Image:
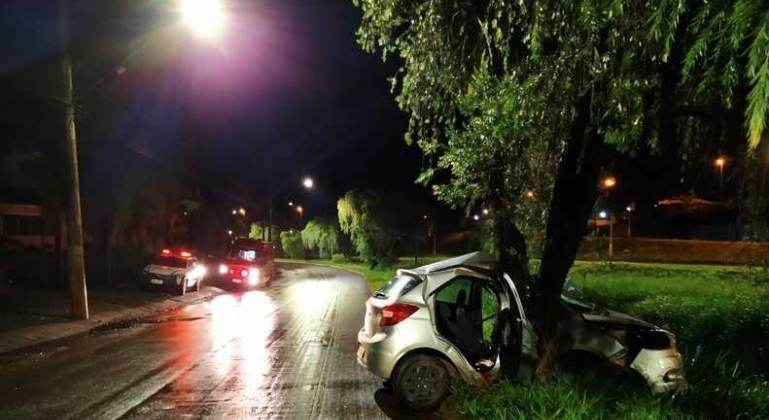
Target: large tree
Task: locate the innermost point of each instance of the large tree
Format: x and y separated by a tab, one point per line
507	97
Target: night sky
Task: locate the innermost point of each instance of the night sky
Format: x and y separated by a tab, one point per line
287	93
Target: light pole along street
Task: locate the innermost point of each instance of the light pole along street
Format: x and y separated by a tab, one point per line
204	17
608	183
308	183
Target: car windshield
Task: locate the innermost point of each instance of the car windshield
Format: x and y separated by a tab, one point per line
397	287
245	254
571	294
171	261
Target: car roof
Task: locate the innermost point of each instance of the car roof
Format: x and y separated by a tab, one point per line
438	273
482	261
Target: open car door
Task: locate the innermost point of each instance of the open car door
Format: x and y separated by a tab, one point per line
518	341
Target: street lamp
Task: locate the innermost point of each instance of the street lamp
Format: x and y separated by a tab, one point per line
608	183
720	162
206	18
300	210
308	183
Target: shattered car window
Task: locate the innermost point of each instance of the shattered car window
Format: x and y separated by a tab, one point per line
397	287
572	294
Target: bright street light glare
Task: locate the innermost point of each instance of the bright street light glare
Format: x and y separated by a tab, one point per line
308	182
602	214
205	18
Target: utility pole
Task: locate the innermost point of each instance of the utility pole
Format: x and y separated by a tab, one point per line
75	254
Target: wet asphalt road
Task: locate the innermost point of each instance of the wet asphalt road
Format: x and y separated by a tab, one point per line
287	351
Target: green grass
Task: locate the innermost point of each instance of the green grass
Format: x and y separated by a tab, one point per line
719	314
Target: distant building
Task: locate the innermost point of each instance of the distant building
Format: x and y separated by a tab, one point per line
21	220
690	217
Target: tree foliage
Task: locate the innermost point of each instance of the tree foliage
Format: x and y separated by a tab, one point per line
291	242
506	97
322	235
379	225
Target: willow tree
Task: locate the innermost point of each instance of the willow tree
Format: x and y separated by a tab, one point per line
506	97
323	235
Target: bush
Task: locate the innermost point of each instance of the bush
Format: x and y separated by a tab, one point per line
338	258
291	240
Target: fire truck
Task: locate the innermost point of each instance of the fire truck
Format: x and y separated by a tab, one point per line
249	264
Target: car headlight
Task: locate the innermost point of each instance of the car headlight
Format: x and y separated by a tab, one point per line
674	375
223	269
253	276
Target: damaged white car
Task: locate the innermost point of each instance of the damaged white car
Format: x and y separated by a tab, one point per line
459	318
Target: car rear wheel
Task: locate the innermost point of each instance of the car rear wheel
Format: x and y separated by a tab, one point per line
421	382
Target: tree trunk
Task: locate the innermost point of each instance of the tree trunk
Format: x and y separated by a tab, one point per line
574	195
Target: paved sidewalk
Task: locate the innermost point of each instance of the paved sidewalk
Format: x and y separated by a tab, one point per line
30	317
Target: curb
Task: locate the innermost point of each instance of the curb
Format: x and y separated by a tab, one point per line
25	338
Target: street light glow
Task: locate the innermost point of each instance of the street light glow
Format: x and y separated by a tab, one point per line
205	18
602	214
308	182
720	162
609	182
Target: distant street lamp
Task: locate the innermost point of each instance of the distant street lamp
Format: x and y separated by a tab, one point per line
206	18
608	183
720	162
630	209
307	183
530	194
241	211
300	210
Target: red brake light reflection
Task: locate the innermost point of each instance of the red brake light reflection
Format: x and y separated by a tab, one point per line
395	313
166	251
244	273
186	254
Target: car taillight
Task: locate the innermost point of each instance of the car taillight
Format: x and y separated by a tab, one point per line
395	313
244	273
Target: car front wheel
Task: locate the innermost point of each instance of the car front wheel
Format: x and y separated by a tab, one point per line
421	382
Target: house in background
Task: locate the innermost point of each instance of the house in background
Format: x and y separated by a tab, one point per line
21	220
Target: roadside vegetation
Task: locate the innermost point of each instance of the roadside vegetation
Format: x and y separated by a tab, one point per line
719	314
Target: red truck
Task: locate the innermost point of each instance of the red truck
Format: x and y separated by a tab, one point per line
249	263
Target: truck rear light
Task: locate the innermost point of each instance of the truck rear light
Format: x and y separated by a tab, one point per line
395	313
244	273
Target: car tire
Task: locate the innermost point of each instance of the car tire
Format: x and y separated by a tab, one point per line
421	382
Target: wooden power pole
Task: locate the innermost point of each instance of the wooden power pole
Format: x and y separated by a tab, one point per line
75	254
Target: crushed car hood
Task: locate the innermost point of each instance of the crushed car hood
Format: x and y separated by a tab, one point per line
597	315
615	318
